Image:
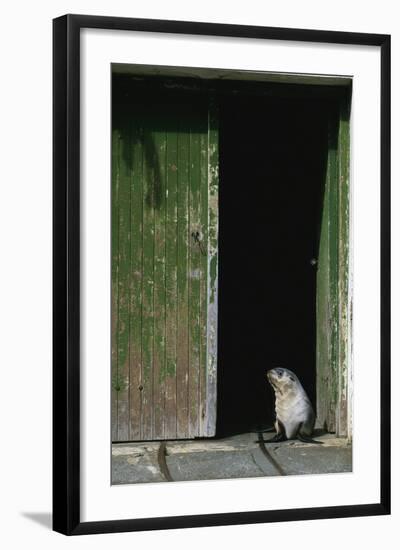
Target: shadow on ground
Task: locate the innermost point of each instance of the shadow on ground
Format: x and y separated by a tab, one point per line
45	519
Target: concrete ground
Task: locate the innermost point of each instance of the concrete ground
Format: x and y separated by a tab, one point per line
238	456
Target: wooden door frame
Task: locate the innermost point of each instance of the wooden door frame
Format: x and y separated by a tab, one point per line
334	301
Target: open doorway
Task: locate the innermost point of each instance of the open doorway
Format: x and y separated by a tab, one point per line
273	162
230	213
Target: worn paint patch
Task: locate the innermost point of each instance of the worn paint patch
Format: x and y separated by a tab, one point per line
171	368
195	273
213	277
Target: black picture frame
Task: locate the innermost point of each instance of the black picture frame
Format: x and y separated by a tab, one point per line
66	273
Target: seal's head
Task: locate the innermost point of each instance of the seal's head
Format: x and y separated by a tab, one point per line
282	380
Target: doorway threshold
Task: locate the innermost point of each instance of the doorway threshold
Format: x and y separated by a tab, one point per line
238	456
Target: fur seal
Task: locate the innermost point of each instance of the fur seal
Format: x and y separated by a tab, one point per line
295	416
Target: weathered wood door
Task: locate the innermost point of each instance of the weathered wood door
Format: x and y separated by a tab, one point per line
333	307
164	266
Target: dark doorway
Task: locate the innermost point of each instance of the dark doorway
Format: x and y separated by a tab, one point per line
273	154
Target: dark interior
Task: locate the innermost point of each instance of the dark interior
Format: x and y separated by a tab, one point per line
272	168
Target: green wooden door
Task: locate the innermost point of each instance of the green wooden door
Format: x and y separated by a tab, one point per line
164	266
333	307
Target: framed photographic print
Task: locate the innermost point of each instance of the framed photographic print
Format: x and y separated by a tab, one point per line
221	274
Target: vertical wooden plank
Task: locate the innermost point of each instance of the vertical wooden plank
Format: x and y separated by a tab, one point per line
148	283
343	427
159	160
203	313
114	283
327	291
124	203
323	305
322	309
182	365
212	270
333	238
135	355
194	278
171	259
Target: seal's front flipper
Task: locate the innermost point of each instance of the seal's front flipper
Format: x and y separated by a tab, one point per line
279	436
307	439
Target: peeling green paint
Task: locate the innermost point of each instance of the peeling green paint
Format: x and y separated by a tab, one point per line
171	368
213	278
119	383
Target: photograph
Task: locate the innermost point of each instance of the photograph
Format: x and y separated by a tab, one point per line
231	286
